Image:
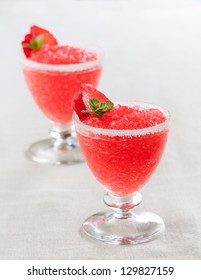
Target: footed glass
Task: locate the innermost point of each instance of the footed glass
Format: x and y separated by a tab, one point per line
53	88
123	161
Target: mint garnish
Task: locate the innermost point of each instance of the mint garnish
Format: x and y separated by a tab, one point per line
35	43
99	109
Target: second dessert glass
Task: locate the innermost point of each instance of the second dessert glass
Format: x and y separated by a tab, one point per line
123	161
53	88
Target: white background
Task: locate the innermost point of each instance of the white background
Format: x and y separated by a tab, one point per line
153	54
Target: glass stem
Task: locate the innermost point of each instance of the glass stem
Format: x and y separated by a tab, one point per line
62	135
122	205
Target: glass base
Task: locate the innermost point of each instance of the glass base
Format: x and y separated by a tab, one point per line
50	152
136	228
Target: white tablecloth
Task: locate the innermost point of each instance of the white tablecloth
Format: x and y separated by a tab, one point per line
152	53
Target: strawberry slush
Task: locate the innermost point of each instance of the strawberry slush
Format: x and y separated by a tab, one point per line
124	146
54	73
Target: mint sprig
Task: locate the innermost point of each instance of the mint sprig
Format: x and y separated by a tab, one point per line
97	108
35	43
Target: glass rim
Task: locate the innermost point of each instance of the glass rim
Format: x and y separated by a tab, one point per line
127	132
65	67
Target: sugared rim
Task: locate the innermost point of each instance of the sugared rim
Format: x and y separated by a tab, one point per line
126	132
64	67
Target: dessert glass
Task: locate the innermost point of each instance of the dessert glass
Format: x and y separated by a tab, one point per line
53	88
123	161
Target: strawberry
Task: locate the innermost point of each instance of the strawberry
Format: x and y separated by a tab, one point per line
89	92
91	101
48	37
79	107
35	39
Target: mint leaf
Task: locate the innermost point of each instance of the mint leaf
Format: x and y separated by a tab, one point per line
26	46
37	42
94	104
106	106
99	109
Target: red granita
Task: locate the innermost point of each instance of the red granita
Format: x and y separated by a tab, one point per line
124	145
